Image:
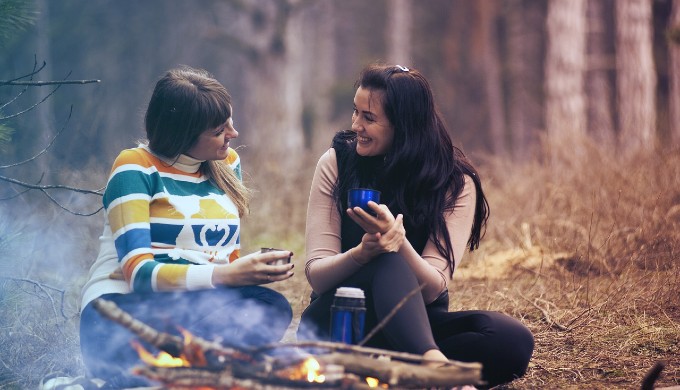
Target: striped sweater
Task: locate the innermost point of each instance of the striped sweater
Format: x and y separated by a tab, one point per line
169	224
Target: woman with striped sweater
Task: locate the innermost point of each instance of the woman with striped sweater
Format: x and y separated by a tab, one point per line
170	251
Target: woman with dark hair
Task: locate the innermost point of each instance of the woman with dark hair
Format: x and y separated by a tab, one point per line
170	251
432	209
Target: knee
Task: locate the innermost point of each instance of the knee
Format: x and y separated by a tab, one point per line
390	266
271	299
516	346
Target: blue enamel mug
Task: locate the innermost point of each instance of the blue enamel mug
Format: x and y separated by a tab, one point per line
359	197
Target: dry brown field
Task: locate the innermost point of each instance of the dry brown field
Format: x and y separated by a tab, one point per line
584	251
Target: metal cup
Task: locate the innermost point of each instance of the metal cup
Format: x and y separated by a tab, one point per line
359	197
278	261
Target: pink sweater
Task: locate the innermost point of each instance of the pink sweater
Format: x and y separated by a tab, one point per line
326	266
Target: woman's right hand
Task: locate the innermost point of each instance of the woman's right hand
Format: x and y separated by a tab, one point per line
253	269
379	222
373	244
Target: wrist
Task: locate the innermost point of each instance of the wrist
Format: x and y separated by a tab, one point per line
221	276
356	257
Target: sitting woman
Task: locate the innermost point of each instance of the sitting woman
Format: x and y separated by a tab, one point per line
170	252
432	209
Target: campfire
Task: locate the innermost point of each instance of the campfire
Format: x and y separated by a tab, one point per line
190	362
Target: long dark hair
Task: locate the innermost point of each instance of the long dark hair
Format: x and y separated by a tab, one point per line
423	173
185	103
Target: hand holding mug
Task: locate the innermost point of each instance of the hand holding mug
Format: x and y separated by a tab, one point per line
255	268
365	210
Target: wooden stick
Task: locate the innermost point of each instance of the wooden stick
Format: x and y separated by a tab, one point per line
334	346
405	375
391	314
191	378
194	351
357	361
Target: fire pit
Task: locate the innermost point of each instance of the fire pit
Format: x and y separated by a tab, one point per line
189	362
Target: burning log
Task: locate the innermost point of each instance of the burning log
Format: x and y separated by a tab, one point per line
192	378
334	365
405	375
195	349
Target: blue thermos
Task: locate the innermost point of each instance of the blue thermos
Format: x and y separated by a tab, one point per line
348	314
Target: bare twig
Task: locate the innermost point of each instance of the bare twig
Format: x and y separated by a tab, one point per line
15	195
546	315
43	287
31	107
43	83
51	187
61	206
49	145
391	314
34	72
44	188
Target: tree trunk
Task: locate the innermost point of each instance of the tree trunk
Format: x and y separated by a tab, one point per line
599	88
319	68
636	76
270	113
674	74
399	30
525	48
487	11
45	113
565	66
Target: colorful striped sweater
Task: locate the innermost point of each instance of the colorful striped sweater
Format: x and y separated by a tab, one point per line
168	222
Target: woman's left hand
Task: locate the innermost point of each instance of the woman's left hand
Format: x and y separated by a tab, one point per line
373	244
381	222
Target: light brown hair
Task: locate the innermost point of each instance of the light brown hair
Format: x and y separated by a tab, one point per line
185	103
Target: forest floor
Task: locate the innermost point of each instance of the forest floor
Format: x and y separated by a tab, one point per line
585	253
591	330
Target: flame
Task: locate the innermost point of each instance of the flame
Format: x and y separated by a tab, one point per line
162	359
374	382
191	356
309	369
312	367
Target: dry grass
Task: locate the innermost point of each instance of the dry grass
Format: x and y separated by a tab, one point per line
583	251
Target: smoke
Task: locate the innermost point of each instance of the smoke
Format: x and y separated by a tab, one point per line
43	255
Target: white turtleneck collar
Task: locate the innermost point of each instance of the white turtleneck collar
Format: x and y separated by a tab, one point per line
184	163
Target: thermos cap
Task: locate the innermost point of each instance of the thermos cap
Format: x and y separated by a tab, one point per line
349	292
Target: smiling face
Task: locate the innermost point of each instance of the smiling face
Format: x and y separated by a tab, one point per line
374	131
213	144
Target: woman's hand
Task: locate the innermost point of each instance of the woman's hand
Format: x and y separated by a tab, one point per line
253	269
373	244
380	223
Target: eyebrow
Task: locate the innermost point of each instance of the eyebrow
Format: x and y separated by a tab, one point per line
364	111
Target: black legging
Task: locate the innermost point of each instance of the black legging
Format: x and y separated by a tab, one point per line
500	343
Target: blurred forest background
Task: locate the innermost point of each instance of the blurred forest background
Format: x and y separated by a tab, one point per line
570	108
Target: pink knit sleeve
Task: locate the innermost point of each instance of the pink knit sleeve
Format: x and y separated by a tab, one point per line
459	222
326	265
